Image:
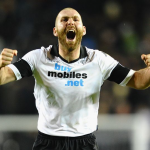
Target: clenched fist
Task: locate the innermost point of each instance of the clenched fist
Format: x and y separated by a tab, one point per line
6	56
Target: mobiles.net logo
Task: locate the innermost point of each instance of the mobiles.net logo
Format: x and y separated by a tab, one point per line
66	73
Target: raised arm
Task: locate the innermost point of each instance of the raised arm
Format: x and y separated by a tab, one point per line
6	74
141	78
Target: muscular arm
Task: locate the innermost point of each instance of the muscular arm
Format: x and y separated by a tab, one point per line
140	80
6	74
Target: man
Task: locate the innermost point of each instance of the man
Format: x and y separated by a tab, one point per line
68	79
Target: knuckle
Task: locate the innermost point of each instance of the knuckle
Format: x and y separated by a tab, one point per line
5	49
2	57
3	62
2	53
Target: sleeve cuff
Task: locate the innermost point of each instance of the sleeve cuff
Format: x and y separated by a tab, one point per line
16	71
127	78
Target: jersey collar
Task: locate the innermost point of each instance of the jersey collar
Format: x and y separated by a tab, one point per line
54	51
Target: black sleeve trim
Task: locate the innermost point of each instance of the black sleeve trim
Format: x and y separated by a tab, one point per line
118	74
23	67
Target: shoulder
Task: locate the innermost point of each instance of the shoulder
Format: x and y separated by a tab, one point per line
95	53
37	53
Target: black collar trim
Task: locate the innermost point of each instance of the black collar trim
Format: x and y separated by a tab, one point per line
54	51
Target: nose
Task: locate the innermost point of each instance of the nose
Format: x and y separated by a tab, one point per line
70	21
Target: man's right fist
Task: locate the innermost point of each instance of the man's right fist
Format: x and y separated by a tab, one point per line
6	56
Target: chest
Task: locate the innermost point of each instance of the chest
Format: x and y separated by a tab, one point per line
66	77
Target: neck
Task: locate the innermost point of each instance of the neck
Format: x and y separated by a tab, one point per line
69	55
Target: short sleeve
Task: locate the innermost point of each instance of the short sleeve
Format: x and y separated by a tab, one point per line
31	58
106	63
25	66
113	71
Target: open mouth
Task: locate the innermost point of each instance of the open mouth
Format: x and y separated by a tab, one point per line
71	34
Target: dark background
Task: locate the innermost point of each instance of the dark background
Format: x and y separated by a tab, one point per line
119	28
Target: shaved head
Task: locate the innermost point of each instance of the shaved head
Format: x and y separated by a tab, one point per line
63	11
69	29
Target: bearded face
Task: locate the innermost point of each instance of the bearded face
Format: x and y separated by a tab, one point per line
70	37
69	29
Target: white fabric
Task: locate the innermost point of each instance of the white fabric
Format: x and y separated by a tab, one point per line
69	106
16	71
128	77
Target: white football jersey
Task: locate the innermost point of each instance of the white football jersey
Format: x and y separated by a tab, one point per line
67	94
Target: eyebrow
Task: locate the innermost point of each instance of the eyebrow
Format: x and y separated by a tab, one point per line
70	17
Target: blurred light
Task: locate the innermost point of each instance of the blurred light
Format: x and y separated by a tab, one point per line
11	144
112	10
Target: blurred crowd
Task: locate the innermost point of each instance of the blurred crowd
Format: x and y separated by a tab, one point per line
119	28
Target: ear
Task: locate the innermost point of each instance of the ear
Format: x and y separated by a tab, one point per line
55	31
84	30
